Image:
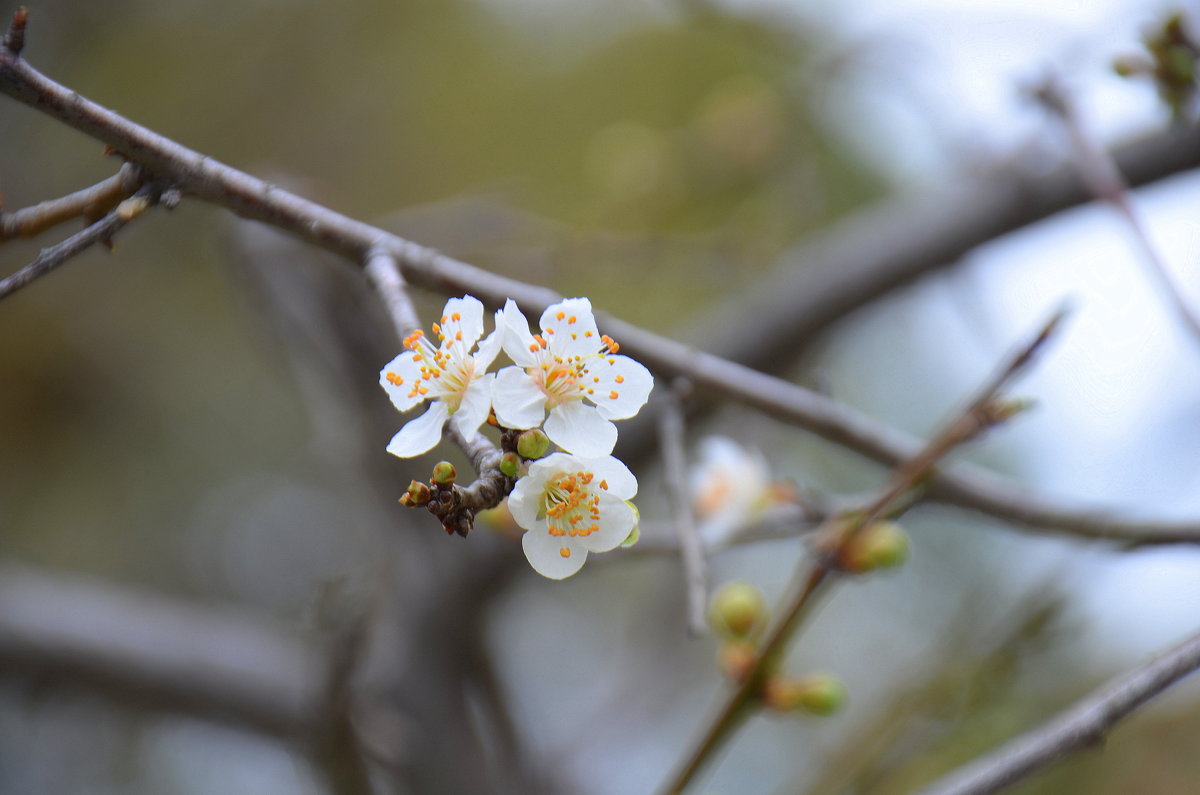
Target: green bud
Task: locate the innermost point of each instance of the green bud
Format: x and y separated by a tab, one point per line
510	465
533	443
736	659
636	532
418	493
738	610
880	545
443	473
816	694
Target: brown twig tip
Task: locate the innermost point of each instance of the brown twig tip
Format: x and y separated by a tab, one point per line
14	40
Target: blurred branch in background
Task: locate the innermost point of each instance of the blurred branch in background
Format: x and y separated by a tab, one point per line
1102	175
1082	726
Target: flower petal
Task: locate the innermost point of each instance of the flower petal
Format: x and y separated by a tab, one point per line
476	403
513	329
570	328
616	521
488	350
466	315
398	378
518	401
623	388
613	473
579	429
525	502
420	435
545	554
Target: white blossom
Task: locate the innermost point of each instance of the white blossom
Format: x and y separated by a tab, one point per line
571	371
448	375
570	506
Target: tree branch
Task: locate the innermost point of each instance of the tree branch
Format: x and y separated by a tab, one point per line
674	464
102	230
89	203
1082	726
200	176
160	652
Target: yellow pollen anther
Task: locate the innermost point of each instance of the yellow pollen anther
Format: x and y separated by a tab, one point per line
437	329
423	390
571	319
574	336
456	317
596	379
395	380
534	348
604	485
613	395
566	553
458	335
619	379
560	315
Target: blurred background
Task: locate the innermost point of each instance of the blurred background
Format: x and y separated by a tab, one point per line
192	438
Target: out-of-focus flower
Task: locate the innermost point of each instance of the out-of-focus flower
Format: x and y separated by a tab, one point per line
570	370
732	489
571	506
448	375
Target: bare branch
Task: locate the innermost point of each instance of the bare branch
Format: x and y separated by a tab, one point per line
385	276
674	477
160	652
1082	726
980	414
102	230
1102	175
207	179
89	203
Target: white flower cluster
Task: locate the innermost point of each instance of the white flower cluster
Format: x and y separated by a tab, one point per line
568	380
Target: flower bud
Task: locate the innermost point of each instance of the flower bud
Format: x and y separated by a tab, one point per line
738	610
636	532
736	659
443	473
816	694
418	493
510	464
533	443
879	545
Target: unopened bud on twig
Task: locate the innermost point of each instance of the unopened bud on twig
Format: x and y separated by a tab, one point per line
443	473
510	465
736	659
636	532
533	444
879	545
816	694
738	610
418	493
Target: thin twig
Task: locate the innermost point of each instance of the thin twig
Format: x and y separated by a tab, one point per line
50	258
671	434
385	276
980	414
1102	175
89	203
1082	726
209	180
